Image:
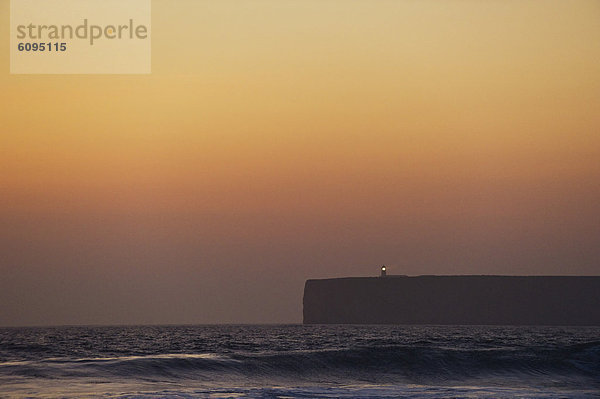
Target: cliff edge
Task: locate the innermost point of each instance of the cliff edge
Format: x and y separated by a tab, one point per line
484	300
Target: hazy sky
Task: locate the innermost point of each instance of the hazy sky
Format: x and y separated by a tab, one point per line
277	141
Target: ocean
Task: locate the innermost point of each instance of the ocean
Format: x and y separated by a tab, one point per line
300	361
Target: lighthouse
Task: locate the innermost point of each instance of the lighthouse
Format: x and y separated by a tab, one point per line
383	272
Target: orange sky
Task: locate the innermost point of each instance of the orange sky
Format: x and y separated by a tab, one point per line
282	140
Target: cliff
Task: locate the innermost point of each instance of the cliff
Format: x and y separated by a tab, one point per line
492	300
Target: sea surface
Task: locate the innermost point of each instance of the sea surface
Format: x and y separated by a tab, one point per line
296	361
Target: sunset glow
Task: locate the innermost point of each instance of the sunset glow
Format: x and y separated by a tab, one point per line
277	141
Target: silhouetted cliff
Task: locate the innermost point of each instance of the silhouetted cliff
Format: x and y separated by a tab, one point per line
500	300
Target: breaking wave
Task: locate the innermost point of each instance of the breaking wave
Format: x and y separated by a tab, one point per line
300	361
376	364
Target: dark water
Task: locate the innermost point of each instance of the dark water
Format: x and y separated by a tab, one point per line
300	361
